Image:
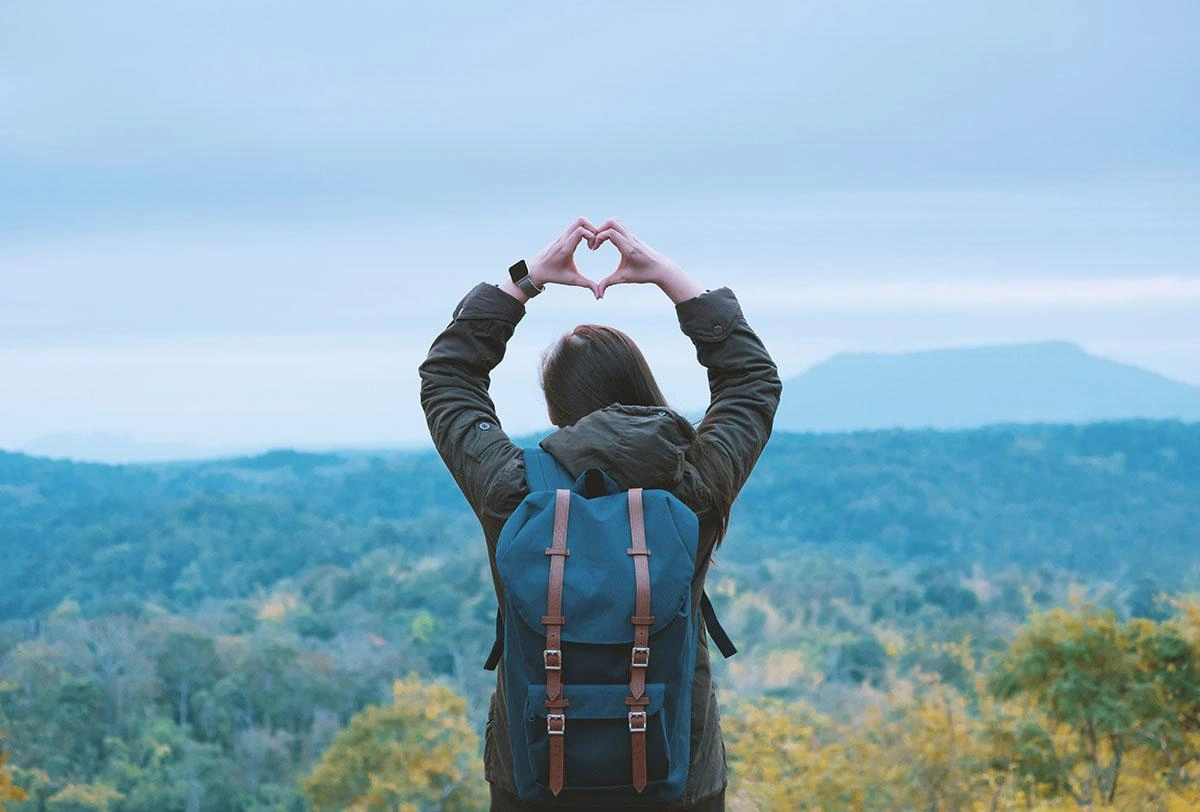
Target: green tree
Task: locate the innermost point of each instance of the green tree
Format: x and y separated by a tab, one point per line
1144	600
163	769
187	663
1110	693
416	754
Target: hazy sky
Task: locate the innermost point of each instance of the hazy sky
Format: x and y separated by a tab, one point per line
241	225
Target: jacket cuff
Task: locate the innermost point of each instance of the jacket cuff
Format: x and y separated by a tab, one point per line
709	316
487	301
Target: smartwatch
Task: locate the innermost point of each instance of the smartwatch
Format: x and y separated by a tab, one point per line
519	272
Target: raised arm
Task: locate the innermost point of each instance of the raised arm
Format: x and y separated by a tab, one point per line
744	388
456	374
744	384
455	378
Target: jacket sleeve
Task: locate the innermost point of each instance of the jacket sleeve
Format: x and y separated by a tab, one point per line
744	387
455	377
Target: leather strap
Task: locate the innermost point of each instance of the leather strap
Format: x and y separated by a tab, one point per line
639	657
556	703
542	473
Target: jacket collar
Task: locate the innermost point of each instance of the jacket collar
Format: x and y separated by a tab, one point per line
636	445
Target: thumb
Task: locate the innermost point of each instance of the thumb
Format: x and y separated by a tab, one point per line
614	278
583	282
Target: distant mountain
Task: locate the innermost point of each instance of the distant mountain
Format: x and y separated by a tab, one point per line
1045	382
1053	381
120	449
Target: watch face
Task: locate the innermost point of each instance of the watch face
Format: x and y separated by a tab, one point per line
518	269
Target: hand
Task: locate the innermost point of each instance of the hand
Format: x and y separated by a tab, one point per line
639	262
556	262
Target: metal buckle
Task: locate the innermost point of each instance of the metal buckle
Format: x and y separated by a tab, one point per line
551	720
556	654
644	651
641	718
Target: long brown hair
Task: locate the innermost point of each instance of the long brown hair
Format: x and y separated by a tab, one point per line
594	366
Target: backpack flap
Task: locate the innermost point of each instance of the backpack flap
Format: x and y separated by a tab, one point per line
544	473
599	589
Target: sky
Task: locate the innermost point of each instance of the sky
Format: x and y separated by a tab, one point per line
236	226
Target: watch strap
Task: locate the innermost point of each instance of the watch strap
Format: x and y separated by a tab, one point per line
525	283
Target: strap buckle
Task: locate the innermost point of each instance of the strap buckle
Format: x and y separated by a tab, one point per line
552	659
640	651
556	724
637	721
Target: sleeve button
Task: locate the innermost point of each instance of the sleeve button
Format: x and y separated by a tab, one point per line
662	413
484	426
718	329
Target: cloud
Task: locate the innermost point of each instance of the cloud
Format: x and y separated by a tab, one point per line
907	295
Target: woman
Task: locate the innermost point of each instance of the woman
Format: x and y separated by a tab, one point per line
610	414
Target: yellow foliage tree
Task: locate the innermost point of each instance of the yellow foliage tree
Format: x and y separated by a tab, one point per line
918	749
8	790
84	798
416	754
1081	711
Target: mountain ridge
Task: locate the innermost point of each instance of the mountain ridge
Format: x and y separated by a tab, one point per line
969	387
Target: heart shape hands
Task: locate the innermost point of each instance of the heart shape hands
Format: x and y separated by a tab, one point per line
639	263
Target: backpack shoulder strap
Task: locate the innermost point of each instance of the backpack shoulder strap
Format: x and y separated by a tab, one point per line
715	631
543	472
493	658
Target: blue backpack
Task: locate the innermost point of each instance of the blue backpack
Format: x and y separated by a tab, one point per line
598	637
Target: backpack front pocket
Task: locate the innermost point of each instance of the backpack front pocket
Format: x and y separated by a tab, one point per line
597	743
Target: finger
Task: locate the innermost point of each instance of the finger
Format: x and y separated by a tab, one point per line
569	241
618	238
582	281
580	222
614	278
580	233
616	224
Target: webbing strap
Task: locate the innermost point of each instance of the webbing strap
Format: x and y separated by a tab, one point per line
639	657
552	658
493	658
715	630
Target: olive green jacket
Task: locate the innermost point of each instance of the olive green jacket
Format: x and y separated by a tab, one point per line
648	446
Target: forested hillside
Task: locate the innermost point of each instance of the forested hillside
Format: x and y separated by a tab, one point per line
249	633
1089	498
